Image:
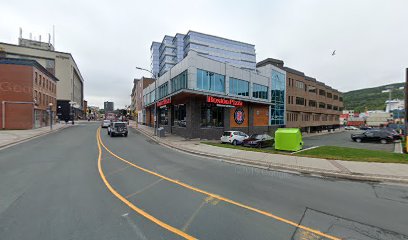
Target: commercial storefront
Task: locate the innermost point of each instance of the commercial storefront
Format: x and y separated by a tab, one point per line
193	115
201	98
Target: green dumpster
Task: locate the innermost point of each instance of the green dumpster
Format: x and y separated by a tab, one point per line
288	139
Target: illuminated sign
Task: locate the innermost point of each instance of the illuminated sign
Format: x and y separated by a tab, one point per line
164	102
223	101
239	116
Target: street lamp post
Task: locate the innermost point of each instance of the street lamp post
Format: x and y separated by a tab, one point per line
156	120
50	114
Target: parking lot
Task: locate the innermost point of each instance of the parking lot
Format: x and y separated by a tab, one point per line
342	139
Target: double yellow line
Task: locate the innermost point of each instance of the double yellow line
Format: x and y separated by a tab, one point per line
175	230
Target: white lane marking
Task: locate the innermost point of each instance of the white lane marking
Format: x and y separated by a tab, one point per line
137	230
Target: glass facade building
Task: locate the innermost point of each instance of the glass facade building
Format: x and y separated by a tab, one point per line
278	88
173	49
154	58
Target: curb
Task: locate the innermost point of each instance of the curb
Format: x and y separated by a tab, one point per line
4	146
282	167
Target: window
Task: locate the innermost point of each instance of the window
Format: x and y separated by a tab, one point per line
341	99
322	105
211	116
329	95
311	89
300	101
299	84
40	82
238	87
322	92
179	82
210	81
163	116
278	89
335	97
163	90
179	115
312	103
260	91
335	108
329	106
36	76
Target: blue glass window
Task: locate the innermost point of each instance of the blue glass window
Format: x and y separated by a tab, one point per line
238	87
163	90
179	82
278	98
260	91
210	81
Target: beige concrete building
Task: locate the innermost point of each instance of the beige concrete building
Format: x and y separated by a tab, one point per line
70	88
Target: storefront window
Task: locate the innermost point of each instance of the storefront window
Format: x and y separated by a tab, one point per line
238	87
211	115
210	81
179	115
163	116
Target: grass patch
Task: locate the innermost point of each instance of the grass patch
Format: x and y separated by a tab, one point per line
354	154
226	145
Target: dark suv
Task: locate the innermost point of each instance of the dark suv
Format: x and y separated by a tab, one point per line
118	128
376	135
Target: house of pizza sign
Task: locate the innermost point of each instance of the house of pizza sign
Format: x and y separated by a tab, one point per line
224	102
164	102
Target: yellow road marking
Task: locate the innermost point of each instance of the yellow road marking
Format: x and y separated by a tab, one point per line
131	205
144	188
292	223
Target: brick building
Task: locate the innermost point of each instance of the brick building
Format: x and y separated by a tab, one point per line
27	90
310	105
137	97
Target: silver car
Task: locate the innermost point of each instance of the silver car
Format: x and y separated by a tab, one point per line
105	123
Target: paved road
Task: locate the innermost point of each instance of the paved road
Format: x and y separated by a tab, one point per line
51	189
342	139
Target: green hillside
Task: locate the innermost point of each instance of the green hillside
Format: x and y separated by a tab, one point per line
371	98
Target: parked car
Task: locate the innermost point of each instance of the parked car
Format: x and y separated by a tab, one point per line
259	140
350	128
365	128
233	137
394	133
117	128
376	135
105	123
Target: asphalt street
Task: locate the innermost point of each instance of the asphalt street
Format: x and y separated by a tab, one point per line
343	139
51	188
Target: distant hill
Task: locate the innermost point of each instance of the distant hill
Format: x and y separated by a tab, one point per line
371	98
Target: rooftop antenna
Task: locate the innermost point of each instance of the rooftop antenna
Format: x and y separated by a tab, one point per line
49	39
53	35
21	33
39	38
31	36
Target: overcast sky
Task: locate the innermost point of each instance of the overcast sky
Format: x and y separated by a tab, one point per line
109	38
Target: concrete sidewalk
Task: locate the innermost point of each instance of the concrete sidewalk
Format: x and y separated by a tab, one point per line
10	137
389	172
